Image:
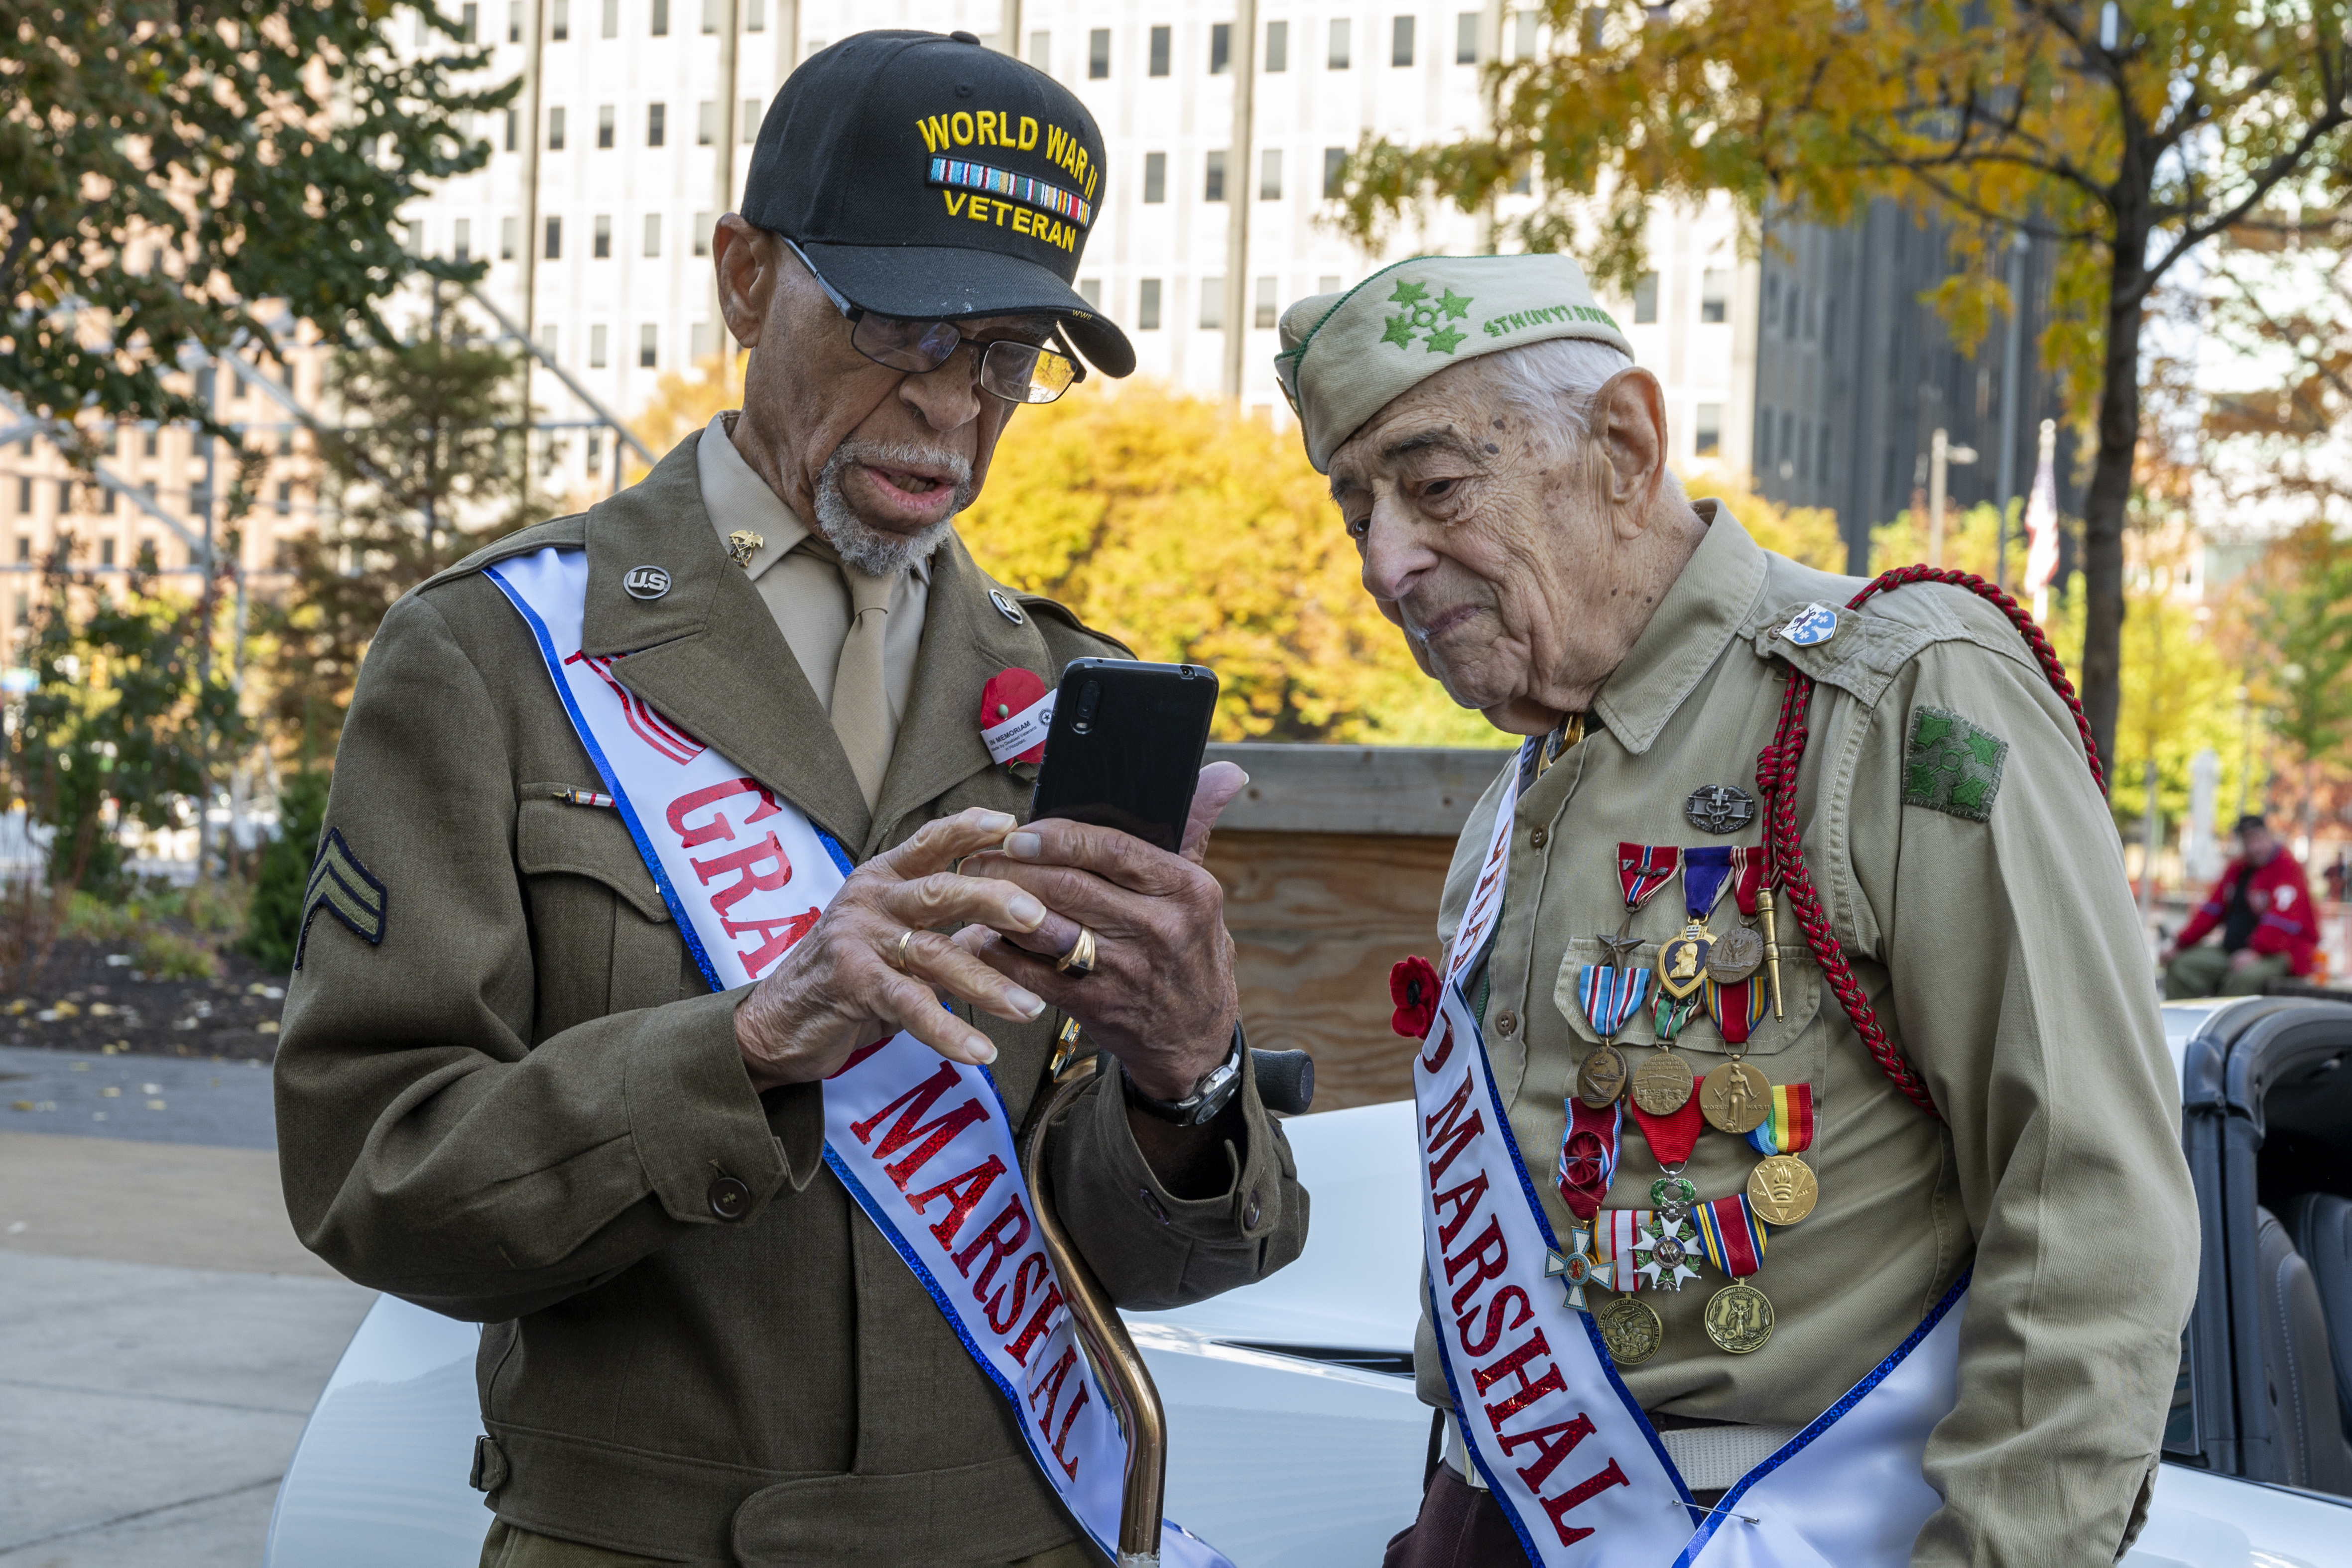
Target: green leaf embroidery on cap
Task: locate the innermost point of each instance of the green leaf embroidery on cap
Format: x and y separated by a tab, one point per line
1425	316
1953	766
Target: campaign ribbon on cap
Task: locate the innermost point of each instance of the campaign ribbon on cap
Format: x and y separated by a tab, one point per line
1016	709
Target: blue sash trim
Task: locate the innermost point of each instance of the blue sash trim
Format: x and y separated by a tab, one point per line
580	726
1438	1320
1827	1418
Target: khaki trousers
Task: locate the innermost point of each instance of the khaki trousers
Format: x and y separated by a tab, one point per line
511	1547
2206	972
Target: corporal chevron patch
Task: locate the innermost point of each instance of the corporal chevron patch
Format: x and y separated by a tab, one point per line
345	889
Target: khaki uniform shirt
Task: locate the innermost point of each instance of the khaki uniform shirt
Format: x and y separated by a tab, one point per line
2003	957
805	593
504	1091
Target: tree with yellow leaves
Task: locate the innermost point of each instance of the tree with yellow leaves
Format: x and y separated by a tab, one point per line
1194	533
2127	135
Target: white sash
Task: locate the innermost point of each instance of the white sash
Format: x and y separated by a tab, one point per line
1574	1463
924	1145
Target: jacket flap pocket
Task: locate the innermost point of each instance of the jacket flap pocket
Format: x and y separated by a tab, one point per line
556	838
1799	1000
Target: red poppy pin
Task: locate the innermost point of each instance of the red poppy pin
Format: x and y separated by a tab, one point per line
1009	694
1412	986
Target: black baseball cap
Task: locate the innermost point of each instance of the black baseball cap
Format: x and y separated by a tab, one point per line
927	177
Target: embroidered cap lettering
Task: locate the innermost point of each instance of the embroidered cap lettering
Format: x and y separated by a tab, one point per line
1952	765
345	889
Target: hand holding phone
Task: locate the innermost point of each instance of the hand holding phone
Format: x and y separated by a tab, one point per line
1125	747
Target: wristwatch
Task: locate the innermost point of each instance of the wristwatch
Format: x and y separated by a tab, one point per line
1209	1096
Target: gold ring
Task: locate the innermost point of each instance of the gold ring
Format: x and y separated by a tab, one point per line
1080	958
904	937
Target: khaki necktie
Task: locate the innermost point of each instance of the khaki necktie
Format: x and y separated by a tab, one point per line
861	697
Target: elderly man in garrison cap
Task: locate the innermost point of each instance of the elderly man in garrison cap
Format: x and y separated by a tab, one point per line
618	1023
1779	1208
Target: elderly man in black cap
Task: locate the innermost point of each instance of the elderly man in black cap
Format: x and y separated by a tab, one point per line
643	882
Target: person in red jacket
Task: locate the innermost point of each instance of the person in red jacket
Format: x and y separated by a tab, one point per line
2269	925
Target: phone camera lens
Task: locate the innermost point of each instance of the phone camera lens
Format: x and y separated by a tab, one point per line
1090	698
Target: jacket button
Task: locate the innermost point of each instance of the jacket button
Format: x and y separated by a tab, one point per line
1251	1212
1540	838
1508	1023
729	1198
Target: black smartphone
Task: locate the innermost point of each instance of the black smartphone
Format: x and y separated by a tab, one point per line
1124	750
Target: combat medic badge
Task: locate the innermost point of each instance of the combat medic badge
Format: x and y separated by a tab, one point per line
1720	807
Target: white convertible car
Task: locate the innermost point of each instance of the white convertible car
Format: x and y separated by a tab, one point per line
1295	1437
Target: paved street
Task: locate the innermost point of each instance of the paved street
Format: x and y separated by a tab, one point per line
167	1333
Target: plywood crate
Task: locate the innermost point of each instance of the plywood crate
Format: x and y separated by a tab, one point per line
1333	861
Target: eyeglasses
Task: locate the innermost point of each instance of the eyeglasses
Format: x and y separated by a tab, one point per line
1015	371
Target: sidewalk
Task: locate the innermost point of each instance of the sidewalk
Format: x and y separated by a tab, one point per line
167	1333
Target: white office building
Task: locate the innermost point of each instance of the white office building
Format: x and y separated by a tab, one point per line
639	128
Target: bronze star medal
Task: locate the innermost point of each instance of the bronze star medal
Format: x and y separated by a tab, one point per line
1572	1269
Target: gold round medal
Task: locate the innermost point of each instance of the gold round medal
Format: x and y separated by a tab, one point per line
1736	955
1630	1329
1735	1098
1739	1318
1661	1084
1782	1190
1602	1078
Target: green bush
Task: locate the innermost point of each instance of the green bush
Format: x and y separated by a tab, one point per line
89	918
163	954
274	917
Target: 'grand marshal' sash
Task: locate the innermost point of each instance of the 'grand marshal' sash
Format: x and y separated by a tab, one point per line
924	1145
1571	1457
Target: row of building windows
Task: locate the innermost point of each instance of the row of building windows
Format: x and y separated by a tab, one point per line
608	17
103	502
1801	452
1714	296
706	133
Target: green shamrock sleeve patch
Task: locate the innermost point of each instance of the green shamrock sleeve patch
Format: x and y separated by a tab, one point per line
1953	766
345	889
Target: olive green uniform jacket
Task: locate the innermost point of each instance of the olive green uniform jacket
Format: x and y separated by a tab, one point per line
521	1105
2002	952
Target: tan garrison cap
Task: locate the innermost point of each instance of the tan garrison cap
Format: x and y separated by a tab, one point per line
1347	356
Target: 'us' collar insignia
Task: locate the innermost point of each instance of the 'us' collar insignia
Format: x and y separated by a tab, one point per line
1004	605
1811	626
646	582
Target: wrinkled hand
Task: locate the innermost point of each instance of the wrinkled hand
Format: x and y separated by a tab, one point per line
840	985
1162	995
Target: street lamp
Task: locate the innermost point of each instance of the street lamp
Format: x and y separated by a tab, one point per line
1940	453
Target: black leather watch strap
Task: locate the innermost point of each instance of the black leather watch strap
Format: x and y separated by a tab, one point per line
1209	1096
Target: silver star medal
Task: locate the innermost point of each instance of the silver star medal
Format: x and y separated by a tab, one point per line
1573	1268
1664	1253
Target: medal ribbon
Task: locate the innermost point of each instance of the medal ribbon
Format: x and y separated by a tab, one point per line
1732	1237
1614	1236
1749	865
1736	1008
1706	868
1673	1137
1788	1128
1642	868
1611	995
1588	1157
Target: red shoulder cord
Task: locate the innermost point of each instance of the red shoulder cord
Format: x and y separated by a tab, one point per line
1776	781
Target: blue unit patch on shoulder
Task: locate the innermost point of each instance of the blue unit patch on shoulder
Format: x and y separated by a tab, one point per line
1811	626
